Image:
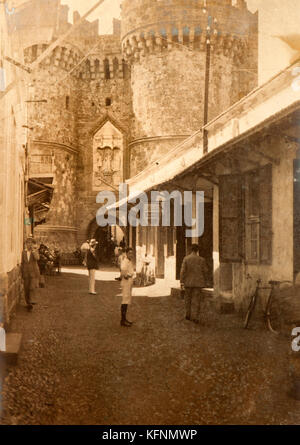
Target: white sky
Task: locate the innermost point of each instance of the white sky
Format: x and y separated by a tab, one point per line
276	17
111	8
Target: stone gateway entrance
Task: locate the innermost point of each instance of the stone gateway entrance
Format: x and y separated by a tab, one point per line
107	238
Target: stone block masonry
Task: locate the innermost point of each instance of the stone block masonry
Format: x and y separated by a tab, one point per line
148	82
165	43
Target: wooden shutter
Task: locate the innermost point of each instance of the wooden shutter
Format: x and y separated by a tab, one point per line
266	214
230	218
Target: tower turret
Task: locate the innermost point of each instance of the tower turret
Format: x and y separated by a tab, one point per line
165	42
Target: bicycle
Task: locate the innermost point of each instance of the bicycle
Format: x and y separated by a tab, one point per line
274	285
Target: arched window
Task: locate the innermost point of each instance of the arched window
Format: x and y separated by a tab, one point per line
116	67
186	35
197	37
34	52
97	66
108	102
124	69
106	69
174	35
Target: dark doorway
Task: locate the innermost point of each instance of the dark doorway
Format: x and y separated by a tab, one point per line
296	216
105	248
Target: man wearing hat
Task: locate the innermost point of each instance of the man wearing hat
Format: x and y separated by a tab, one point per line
30	271
92	265
193	278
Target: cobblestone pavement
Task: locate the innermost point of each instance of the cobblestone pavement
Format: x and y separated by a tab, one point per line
78	366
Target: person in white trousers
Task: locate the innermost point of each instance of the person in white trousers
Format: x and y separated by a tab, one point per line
92	265
127	273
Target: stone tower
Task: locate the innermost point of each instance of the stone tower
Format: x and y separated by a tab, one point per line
78	112
165	43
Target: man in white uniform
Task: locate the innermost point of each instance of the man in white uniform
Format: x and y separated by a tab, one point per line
127	272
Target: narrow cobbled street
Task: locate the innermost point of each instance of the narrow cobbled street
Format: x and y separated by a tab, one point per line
78	366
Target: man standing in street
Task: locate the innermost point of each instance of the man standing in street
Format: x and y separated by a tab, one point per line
92	265
193	278
30	271
127	272
84	250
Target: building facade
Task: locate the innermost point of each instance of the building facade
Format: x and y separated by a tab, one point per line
116	103
12	174
250	177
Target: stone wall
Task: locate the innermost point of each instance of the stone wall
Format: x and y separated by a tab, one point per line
165	44
12	167
11	292
77	105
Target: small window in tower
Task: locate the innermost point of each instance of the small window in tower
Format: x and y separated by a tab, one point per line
106	69
116	67
34	52
67	102
124	69
108	101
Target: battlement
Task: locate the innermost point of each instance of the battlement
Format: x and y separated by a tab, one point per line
38	14
105	62
150	26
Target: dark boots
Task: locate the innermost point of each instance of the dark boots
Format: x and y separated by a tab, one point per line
124	321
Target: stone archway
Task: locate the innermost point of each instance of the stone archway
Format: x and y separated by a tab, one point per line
104	236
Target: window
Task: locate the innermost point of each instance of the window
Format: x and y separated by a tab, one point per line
108	101
230	201
97	66
67	102
258	216
116	67
252	216
246	217
106	69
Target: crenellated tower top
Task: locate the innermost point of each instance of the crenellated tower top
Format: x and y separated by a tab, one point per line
153	25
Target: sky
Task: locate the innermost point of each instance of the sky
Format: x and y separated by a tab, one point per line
277	18
111	8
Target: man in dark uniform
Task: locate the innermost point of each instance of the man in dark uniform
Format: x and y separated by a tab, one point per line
193	278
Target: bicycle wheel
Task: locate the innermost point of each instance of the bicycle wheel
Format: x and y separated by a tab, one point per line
250	310
271	315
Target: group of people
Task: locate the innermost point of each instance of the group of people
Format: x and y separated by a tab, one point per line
126	267
36	262
193	275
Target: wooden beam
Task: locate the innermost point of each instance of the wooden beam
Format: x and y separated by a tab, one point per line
268	157
240	158
18	64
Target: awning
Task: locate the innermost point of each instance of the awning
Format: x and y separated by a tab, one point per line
39	195
264	106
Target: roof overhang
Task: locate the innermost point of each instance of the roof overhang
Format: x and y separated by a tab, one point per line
39	195
264	106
